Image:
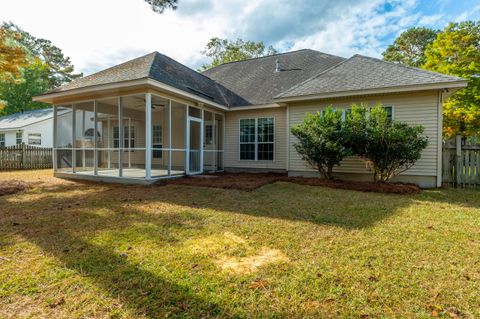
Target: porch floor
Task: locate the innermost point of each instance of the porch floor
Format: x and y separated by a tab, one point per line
128	173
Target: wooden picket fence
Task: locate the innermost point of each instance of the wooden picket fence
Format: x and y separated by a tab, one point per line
23	156
461	164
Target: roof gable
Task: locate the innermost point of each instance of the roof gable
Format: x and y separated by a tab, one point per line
364	73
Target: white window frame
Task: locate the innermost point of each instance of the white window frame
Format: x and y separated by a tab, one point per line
157	140
36	136
127	129
2	139
18	140
256	142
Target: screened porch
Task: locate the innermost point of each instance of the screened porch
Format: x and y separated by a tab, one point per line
140	137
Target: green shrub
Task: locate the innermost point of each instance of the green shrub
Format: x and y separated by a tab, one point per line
391	147
321	142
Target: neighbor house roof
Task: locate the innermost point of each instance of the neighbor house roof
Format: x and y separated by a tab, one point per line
161	68
22	119
256	80
361	73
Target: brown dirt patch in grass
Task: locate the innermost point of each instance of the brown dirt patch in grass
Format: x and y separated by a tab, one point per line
13	186
252	181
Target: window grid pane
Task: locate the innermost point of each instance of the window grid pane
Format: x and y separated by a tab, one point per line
265	130
247	131
247	151
265	151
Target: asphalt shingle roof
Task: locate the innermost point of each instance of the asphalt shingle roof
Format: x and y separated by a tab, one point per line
256	81
19	120
363	73
163	69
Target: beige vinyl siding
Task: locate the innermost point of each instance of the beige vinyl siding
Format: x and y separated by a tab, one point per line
412	108
232	138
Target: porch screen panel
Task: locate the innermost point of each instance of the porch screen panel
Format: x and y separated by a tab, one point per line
84	141
160	130
107	154
133	152
64	139
179	115
209	142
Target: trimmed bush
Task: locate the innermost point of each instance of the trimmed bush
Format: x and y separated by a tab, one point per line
321	141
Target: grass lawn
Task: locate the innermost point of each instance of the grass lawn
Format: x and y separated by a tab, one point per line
83	250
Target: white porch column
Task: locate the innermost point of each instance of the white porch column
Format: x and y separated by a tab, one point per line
54	155
148	135
121	137
187	142
223	142
109	144
169	137
83	144
202	127
95	140
74	133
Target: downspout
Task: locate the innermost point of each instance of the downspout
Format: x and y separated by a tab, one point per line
287	159
440	137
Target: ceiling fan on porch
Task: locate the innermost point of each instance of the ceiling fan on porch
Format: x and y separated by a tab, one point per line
154	105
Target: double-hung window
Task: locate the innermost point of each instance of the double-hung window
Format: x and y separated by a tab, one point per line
19	138
129	137
257	139
157	141
2	140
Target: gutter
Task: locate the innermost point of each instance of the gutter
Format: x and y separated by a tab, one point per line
397	89
49	97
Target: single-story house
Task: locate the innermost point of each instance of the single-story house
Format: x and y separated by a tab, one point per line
33	127
156	118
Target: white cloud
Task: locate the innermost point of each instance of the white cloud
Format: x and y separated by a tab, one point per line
97	34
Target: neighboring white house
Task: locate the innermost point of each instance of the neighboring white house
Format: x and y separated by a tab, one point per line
31	128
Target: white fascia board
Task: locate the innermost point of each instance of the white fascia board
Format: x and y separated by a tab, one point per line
48	98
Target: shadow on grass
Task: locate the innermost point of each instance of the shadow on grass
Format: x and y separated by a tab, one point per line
58	224
60	228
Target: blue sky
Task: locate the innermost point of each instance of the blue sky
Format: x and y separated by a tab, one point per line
98	34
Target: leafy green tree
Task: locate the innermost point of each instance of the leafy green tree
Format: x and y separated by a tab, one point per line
321	141
224	51
60	68
409	47
390	147
17	96
456	51
159	6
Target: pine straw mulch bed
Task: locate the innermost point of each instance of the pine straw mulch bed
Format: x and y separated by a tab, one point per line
252	181
13	186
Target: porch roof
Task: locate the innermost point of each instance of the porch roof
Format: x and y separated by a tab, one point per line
160	68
